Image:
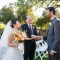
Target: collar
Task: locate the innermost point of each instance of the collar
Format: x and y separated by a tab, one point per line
53	18
29	24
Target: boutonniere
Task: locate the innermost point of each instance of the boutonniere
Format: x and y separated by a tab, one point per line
50	24
33	27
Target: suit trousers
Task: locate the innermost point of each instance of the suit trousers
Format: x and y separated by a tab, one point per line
29	53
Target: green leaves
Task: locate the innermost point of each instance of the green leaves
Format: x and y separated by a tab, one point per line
42	22
6	14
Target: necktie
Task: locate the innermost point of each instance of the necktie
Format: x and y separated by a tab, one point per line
30	29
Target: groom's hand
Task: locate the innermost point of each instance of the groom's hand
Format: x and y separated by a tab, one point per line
51	53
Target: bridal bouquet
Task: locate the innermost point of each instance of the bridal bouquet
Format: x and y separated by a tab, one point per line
19	36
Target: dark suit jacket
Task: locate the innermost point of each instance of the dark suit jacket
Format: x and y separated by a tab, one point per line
28	43
53	36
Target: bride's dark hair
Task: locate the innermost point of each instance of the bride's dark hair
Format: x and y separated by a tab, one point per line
13	21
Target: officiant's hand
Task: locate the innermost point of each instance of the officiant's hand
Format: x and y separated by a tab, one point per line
51	53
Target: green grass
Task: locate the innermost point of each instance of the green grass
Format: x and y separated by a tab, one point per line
40	59
45	58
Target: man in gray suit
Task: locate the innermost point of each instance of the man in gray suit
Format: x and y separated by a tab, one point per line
53	35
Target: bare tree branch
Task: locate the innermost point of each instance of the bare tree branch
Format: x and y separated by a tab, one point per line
49	3
56	6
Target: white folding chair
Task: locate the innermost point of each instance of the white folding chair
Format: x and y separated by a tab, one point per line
41	49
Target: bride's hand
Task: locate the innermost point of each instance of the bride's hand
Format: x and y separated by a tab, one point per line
17	45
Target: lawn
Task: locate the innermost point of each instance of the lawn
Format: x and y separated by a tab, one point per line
2	26
40	59
45	58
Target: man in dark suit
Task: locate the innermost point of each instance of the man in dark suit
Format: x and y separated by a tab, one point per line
53	35
29	45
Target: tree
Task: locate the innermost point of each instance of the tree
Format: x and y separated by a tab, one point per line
23	6
6	14
42	22
22	9
57	14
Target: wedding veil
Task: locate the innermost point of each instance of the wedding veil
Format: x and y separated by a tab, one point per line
4	37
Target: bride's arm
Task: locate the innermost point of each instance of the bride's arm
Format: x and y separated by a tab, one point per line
10	36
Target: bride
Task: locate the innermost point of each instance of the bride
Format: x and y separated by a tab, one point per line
8	46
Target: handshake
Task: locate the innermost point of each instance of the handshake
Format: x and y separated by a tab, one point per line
36	37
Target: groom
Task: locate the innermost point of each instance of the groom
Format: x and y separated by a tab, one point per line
29	45
53	36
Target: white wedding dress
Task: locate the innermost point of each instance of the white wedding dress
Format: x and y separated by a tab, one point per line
7	52
12	53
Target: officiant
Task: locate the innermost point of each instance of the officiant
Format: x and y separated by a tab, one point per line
29	45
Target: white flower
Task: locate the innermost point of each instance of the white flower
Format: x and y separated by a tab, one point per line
50	24
33	27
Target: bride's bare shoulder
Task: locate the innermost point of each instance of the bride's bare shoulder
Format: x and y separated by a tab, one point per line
11	33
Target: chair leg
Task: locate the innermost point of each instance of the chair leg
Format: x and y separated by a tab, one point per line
40	56
36	55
